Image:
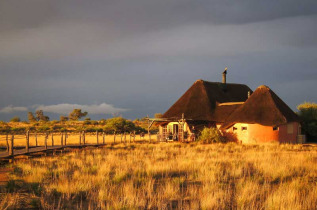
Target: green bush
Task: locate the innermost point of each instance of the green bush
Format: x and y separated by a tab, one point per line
211	135
15	119
308	115
93	129
43	128
57	128
5	129
18	130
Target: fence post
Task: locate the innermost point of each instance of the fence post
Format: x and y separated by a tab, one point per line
84	137
45	140
36	139
130	137
11	153
125	137
52	139
62	139
80	134
149	134
27	141
133	136
7	141
114	137
65	137
121	136
103	137
97	137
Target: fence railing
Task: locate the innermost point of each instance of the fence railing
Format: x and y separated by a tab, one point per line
10	142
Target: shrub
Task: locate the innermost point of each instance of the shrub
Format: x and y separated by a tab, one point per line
308	114
5	129
18	130
31	128
43	128
210	135
15	119
93	129
56	127
53	122
87	122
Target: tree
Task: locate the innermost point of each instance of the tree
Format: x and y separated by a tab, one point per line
308	114
119	124
76	114
63	118
158	115
40	116
31	117
15	119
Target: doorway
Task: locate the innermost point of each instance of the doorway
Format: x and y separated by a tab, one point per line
175	132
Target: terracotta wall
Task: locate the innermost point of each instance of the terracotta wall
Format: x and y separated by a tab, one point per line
285	136
256	133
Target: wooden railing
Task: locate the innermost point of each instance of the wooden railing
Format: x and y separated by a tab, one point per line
52	140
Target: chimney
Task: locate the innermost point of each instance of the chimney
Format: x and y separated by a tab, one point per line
249	94
224	76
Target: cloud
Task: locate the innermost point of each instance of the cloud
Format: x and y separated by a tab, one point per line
11	109
91	109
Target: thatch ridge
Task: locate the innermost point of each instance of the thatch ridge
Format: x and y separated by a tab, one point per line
200	101
263	107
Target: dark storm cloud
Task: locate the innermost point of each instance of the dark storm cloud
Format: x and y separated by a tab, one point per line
142	55
20	14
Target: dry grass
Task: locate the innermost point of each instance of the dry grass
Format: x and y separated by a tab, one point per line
165	176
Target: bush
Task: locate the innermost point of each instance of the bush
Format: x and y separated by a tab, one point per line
43	128
18	130
56	128
211	135
93	129
5	129
308	114
15	119
31	128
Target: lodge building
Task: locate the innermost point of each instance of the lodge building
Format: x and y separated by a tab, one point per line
251	117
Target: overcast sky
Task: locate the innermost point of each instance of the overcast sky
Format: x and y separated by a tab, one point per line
138	57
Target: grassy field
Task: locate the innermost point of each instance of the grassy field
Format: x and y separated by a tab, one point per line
168	175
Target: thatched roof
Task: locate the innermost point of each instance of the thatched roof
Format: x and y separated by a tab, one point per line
263	107
200	101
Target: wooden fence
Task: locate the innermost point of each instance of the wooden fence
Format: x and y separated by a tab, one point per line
17	144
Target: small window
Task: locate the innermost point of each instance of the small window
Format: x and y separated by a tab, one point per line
275	128
243	128
234	128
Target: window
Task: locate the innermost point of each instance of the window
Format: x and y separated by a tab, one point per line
275	128
244	128
234	128
290	128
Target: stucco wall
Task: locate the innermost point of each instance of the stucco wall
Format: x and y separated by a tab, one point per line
255	133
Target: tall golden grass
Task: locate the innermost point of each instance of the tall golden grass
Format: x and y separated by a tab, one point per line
168	175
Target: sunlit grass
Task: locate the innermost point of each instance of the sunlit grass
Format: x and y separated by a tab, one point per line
172	175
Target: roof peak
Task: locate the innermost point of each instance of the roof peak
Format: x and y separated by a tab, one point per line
199	80
263	87
205	81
